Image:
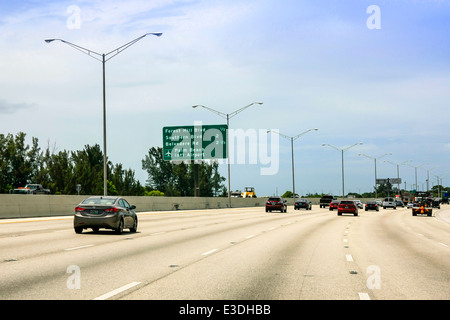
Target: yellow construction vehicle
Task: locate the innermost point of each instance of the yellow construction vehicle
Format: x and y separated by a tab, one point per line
249	192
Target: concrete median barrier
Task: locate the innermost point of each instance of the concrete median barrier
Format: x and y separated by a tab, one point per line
28	206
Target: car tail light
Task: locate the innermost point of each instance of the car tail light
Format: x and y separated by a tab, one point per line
79	209
111	210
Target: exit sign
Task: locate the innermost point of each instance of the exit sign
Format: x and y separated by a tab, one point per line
198	142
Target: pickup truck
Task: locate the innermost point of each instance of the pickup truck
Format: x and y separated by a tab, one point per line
326	200
422	208
31	189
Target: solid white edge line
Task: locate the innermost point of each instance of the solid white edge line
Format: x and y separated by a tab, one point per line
81	247
363	296
117	291
209	252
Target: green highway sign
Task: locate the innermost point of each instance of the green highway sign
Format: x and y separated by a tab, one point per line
198	142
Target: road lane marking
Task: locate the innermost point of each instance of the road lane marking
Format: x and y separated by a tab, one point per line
209	252
443	244
349	257
250	236
363	296
117	291
81	247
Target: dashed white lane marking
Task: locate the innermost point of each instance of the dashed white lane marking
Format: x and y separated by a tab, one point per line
348	257
81	247
209	252
250	236
117	291
363	296
443	244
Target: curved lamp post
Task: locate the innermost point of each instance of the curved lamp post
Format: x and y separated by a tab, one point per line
227	116
103	58
292	151
375	160
342	153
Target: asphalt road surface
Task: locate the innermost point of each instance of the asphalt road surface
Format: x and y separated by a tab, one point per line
238	253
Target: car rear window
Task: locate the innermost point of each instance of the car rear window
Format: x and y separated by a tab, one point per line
99	201
274	199
346	202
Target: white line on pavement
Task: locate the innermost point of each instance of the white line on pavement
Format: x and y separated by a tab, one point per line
349	257
117	291
209	252
363	296
81	247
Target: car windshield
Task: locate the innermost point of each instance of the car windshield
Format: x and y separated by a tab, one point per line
99	201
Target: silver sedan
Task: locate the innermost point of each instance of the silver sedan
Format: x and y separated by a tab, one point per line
105	212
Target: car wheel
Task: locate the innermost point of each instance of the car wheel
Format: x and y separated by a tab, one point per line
78	229
134	228
119	230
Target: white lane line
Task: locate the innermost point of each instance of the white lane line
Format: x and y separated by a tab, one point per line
443	244
209	252
363	296
250	236
349	257
81	247
117	291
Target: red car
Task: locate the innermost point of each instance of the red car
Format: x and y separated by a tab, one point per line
276	203
347	206
334	204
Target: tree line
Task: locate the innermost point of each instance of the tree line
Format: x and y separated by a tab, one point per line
61	172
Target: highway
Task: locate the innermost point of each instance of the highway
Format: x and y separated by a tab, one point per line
233	254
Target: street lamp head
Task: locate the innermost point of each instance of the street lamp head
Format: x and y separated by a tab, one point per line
158	34
49	40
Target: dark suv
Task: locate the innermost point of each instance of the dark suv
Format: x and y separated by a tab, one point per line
276	203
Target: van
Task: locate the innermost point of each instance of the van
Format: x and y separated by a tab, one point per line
389	203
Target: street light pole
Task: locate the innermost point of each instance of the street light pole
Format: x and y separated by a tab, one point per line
375	160
103	58
398	169
292	139
415	172
342	157
227	116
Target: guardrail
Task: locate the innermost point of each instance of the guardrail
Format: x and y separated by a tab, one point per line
27	206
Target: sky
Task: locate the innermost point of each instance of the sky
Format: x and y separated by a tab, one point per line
376	72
